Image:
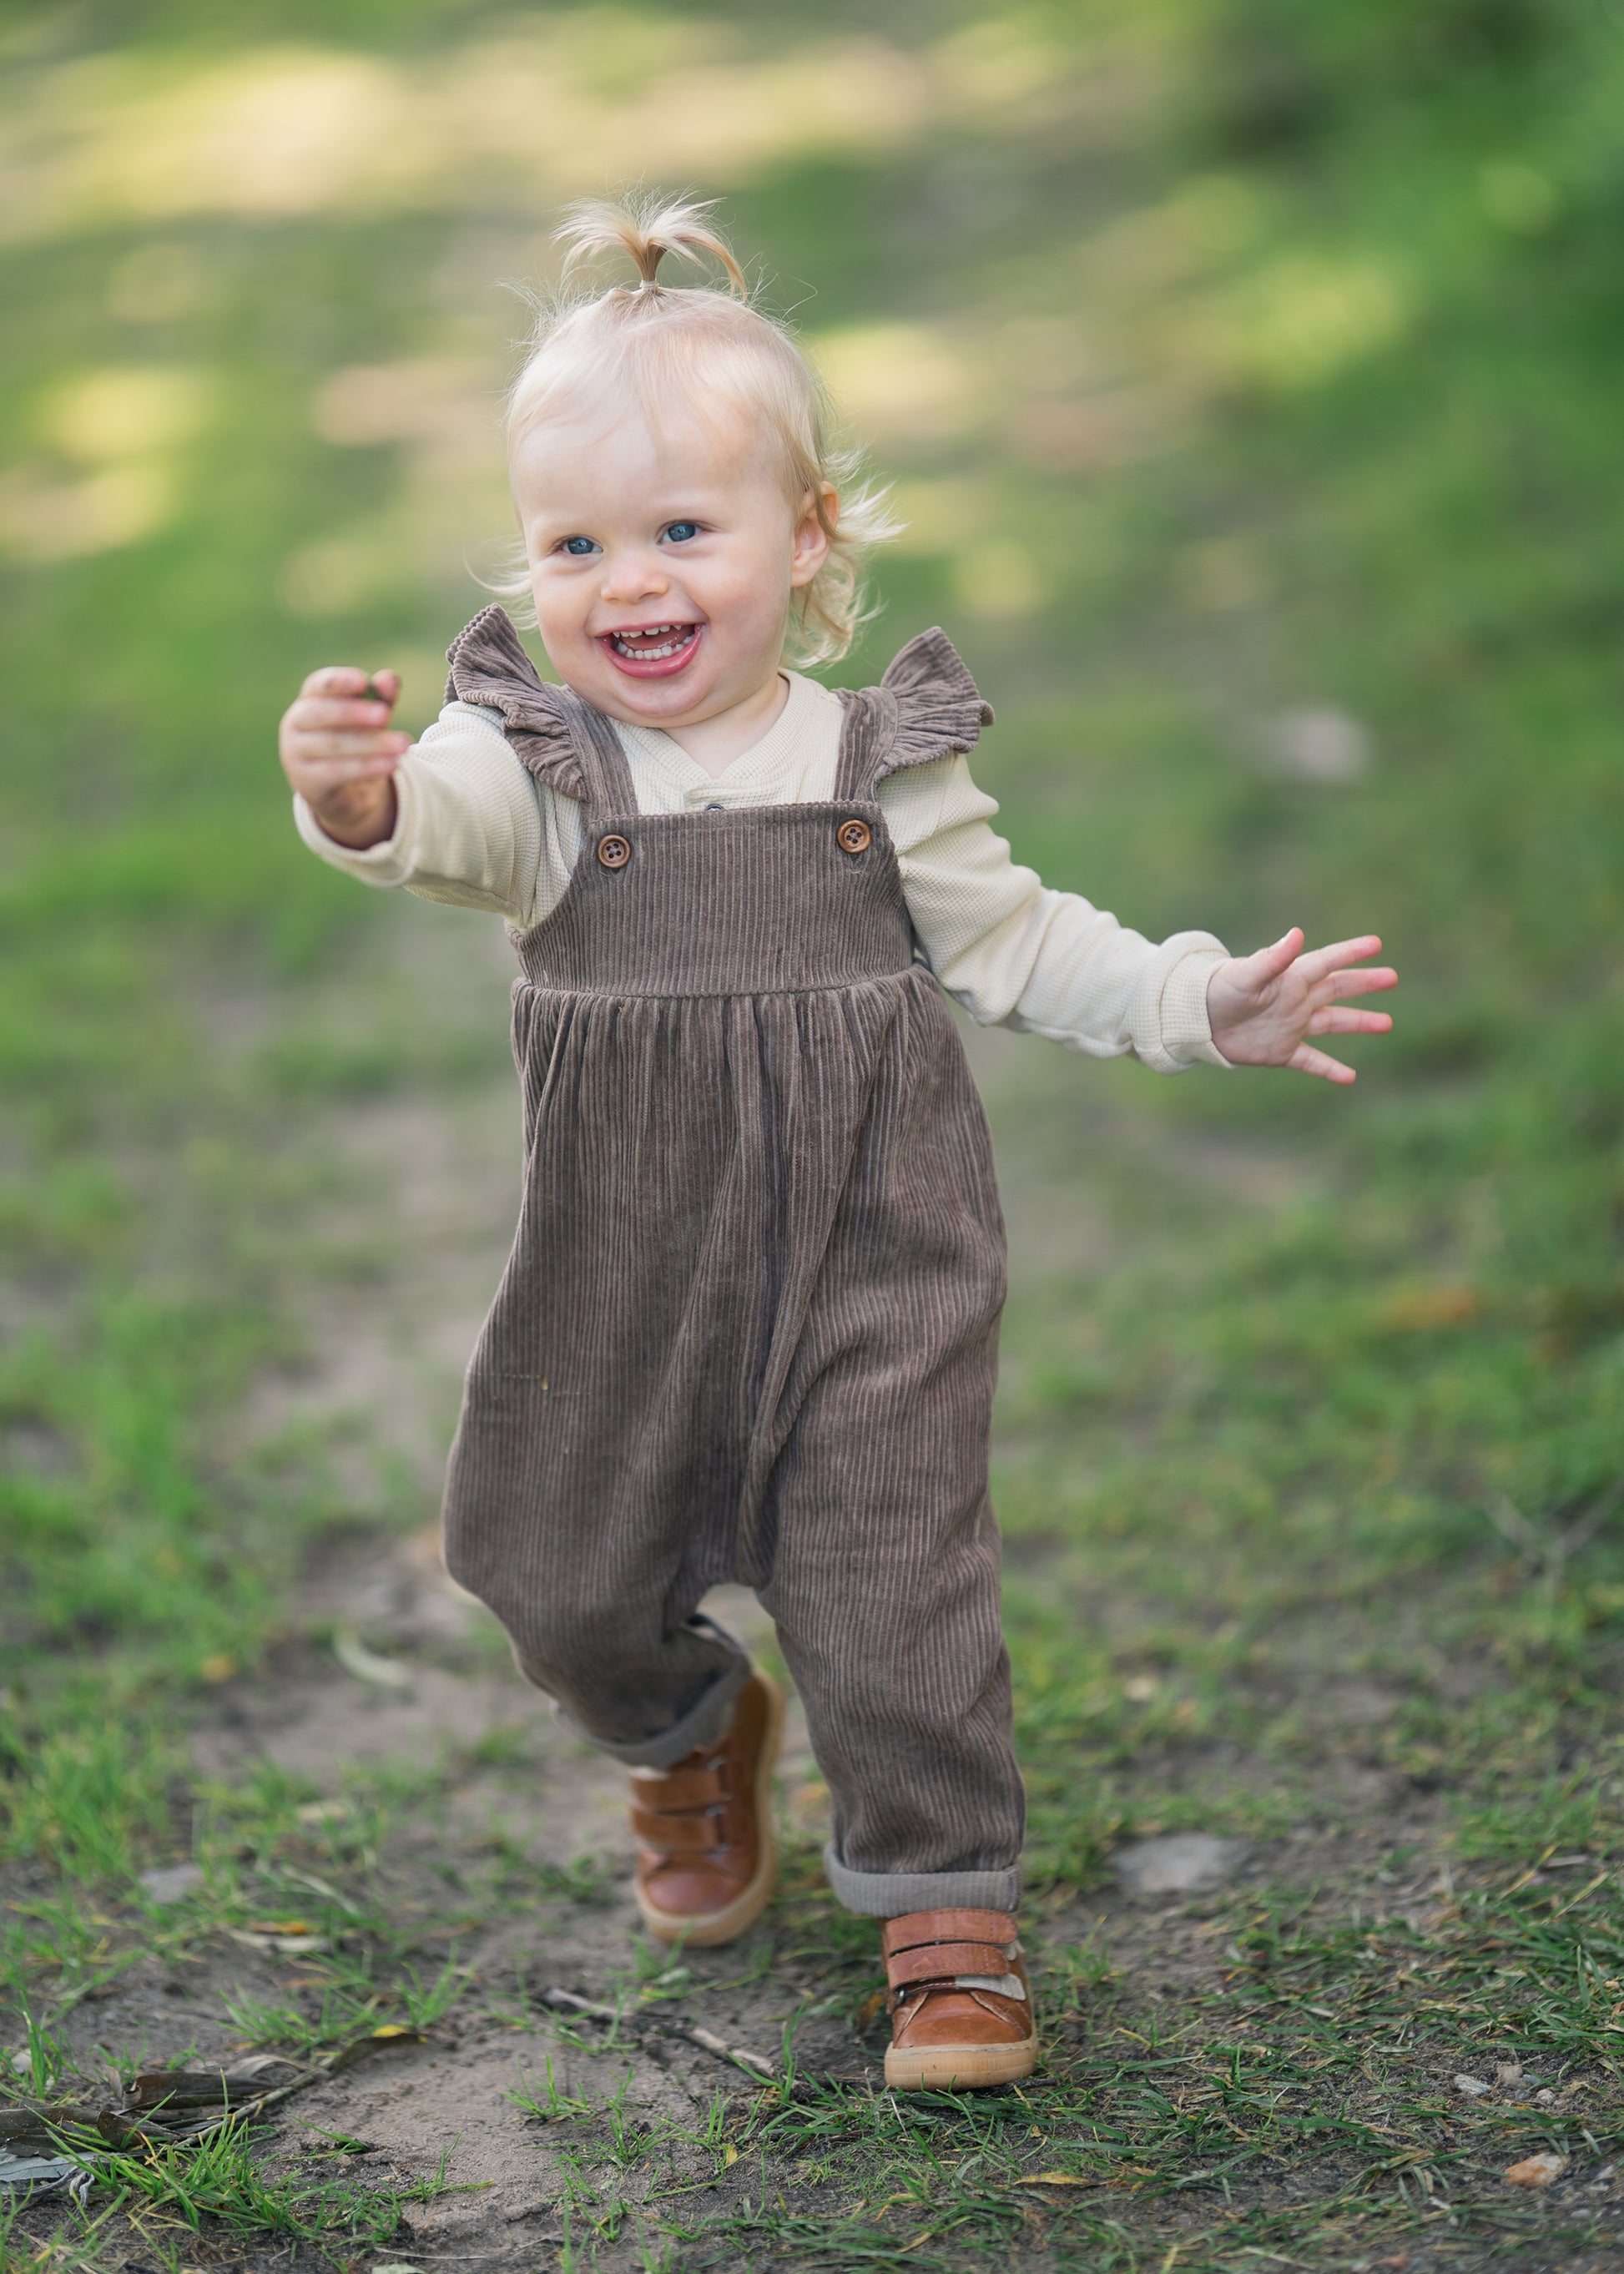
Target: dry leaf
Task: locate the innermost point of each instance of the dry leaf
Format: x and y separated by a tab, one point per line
217	1666
353	1655
320	1812
360	2049
1538	2171
198	2087
29	2176
1416	1310
292	1946
1054	2180
730	2155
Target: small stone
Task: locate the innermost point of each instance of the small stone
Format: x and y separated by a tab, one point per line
1318	744
167	1883
1179	1864
1473	2087
1536	2170
1545	2099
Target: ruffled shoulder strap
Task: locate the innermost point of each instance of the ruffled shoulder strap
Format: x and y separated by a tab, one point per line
927	706
561	739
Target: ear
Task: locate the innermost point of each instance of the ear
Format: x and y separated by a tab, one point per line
811	546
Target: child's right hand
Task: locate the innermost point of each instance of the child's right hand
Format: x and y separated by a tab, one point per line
339	753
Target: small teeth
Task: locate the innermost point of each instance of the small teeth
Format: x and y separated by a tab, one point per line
652	631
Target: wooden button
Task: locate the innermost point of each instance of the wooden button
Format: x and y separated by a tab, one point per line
614	852
854	837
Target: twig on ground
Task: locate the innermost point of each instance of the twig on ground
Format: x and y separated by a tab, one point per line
707	2040
691	2033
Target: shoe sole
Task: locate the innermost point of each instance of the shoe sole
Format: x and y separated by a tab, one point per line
959	2068
705	1931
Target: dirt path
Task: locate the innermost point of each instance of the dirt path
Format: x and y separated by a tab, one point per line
505	1858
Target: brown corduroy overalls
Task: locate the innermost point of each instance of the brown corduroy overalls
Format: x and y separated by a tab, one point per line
747	1329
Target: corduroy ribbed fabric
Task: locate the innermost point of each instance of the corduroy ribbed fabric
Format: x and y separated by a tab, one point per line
747	1329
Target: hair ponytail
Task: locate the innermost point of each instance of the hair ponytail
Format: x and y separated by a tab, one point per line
646	231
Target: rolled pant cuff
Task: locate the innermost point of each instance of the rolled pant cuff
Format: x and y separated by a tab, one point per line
893	1895
702	1725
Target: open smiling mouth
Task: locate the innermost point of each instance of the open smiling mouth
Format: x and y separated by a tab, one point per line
652	651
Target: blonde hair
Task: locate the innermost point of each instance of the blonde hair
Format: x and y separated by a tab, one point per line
657	337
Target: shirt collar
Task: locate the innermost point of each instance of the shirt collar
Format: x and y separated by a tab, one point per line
762	763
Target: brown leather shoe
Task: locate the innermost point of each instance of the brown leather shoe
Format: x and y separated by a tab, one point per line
706	1866
955	2025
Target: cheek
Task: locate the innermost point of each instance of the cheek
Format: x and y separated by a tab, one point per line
756	586
561	602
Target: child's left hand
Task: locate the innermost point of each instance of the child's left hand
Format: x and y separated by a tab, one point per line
1263	1007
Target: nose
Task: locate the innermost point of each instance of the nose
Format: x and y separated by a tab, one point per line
633	575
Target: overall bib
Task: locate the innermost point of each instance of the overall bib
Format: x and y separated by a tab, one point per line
748	1328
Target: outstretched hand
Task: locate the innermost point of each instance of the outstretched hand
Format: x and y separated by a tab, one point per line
340	752
1263	1008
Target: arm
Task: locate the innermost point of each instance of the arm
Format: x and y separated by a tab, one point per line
453	817
1015	954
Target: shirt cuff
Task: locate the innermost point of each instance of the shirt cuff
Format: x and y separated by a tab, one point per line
1186	1030
385	863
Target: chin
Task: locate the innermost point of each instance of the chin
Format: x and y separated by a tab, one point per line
653	702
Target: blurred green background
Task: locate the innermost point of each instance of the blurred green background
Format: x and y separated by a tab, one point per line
1249	375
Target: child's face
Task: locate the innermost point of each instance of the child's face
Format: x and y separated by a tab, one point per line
663	565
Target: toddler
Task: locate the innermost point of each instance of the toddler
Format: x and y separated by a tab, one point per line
746	1332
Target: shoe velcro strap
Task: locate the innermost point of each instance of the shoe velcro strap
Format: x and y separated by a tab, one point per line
941	1961
701	1787
679	1834
947	1926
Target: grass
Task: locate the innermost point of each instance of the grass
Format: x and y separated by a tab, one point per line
1281	352
171	2194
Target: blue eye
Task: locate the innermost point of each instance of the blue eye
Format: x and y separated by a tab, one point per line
680	531
578	545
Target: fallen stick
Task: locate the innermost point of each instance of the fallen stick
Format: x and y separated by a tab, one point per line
707	2040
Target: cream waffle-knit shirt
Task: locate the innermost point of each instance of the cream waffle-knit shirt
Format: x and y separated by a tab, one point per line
474	827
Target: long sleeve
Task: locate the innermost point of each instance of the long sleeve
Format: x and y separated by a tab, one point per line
475	828
1016	954
472	826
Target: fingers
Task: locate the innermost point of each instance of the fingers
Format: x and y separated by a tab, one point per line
350	679
340	768
336	733
1334	1021
1271	961
338	738
1363	981
1304	1059
1320	962
311	712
